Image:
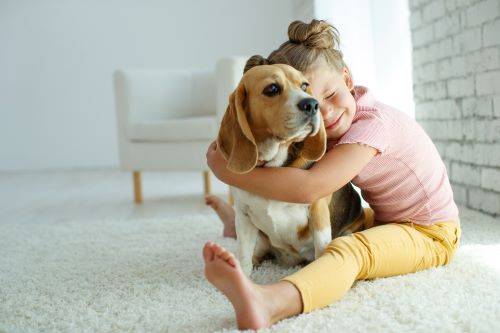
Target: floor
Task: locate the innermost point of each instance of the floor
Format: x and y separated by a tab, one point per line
102	194
110	269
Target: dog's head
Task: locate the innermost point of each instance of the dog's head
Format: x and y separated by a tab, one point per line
272	105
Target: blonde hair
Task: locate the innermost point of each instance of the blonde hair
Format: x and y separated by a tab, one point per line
307	42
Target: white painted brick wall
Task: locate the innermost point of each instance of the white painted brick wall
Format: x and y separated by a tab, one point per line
482	12
433	11
462	87
490	179
446	26
456	67
496	106
459	193
467	41
477	106
451	67
423	35
488	83
490	33
486	201
444	109
465	174
482	60
443	49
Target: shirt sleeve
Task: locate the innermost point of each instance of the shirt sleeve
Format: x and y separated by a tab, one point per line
367	129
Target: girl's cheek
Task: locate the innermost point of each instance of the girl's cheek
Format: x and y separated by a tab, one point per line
346	101
323	108
340	99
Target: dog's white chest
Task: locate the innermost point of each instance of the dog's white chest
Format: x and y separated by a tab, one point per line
280	221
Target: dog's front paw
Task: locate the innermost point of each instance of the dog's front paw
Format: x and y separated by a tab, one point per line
320	245
318	251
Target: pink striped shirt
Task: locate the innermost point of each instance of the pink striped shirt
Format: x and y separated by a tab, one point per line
406	180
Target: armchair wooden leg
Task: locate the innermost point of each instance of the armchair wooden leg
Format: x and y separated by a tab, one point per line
208	184
231	198
137	187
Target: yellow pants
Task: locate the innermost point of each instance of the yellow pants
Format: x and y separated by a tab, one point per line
381	251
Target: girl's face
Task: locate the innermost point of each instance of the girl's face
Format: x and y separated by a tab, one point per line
333	92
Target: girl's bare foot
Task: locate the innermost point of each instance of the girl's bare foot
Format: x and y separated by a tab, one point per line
223	270
256	306
225	212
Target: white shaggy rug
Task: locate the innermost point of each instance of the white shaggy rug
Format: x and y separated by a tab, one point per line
147	276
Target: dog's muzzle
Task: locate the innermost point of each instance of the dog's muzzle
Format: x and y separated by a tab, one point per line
315	124
310	106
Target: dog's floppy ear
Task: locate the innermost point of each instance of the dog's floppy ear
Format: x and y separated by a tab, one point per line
315	146
235	138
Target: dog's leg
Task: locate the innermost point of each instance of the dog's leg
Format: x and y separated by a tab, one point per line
247	238
262	249
347	214
319	224
356	226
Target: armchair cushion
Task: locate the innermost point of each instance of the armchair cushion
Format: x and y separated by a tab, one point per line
173	130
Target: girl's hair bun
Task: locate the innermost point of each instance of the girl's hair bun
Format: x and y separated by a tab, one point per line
255	60
317	34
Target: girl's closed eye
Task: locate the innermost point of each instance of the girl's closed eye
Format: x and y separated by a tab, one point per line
331	95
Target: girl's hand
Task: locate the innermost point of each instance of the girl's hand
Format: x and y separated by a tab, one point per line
216	162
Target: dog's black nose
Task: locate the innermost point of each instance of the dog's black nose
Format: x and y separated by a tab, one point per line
309	106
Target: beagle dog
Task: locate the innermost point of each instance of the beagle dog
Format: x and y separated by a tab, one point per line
272	120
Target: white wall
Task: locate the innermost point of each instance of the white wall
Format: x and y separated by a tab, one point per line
376	42
353	21
57	56
393	53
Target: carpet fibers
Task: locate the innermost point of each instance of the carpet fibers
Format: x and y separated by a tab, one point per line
146	275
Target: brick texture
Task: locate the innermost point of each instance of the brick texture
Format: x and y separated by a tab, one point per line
456	70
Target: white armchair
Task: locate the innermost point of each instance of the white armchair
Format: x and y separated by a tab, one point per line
167	118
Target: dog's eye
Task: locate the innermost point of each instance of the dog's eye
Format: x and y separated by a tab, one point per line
304	86
272	90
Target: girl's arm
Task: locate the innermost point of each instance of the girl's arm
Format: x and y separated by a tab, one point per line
337	167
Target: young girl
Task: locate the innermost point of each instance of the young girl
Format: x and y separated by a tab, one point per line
413	219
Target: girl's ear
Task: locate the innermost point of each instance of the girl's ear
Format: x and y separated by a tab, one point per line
346	73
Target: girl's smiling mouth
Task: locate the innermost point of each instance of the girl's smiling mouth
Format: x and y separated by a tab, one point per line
335	123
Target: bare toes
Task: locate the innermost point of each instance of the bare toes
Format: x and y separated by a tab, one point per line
208	252
211	200
232	261
226	255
